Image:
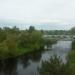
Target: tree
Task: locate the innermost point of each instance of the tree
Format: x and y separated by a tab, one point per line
3	50
72	31
31	28
12	45
14	41
32	40
36	40
23	39
2	35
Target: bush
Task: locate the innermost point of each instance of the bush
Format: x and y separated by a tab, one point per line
55	67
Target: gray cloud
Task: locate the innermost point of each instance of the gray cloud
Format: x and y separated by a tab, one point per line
38	11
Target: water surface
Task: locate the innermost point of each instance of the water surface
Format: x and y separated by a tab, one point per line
28	64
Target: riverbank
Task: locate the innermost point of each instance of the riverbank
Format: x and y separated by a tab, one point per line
71	57
21	51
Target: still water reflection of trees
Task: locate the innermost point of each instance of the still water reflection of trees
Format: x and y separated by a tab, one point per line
9	67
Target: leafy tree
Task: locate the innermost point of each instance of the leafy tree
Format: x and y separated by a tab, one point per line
36	40
23	39
13	40
72	31
11	43
2	35
3	50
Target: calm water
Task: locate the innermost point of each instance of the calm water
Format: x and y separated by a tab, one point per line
28	64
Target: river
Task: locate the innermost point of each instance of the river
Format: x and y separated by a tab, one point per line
28	64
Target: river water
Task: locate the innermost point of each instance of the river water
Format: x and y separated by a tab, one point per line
28	64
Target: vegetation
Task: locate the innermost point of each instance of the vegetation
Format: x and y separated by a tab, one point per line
14	41
56	67
49	41
71	57
72	31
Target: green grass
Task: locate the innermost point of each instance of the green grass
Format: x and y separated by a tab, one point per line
71	56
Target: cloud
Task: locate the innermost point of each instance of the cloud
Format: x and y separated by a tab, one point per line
38	11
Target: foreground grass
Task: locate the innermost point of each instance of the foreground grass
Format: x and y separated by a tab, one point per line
71	59
71	56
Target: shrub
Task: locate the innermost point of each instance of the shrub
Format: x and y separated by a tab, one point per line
55	67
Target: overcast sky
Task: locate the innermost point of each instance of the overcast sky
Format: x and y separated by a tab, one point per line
59	12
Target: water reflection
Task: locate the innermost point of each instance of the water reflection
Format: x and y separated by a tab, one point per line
34	57
8	67
27	64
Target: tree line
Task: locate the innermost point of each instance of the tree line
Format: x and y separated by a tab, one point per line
59	32
14	41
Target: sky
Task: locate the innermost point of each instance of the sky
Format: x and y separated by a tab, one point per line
58	14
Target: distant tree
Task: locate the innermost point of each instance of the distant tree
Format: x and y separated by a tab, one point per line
2	35
31	28
42	31
72	30
15	30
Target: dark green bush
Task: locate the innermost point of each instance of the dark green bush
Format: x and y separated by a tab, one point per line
55	67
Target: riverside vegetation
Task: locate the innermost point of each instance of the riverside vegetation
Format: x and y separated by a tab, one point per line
14	42
55	65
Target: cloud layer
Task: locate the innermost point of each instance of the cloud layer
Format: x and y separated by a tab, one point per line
38	11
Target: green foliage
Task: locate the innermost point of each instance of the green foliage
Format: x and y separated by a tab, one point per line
23	39
2	35
14	41
11	43
71	56
8	47
73	45
3	50
71	59
72	31
31	40
50	41
31	29
35	40
55	67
